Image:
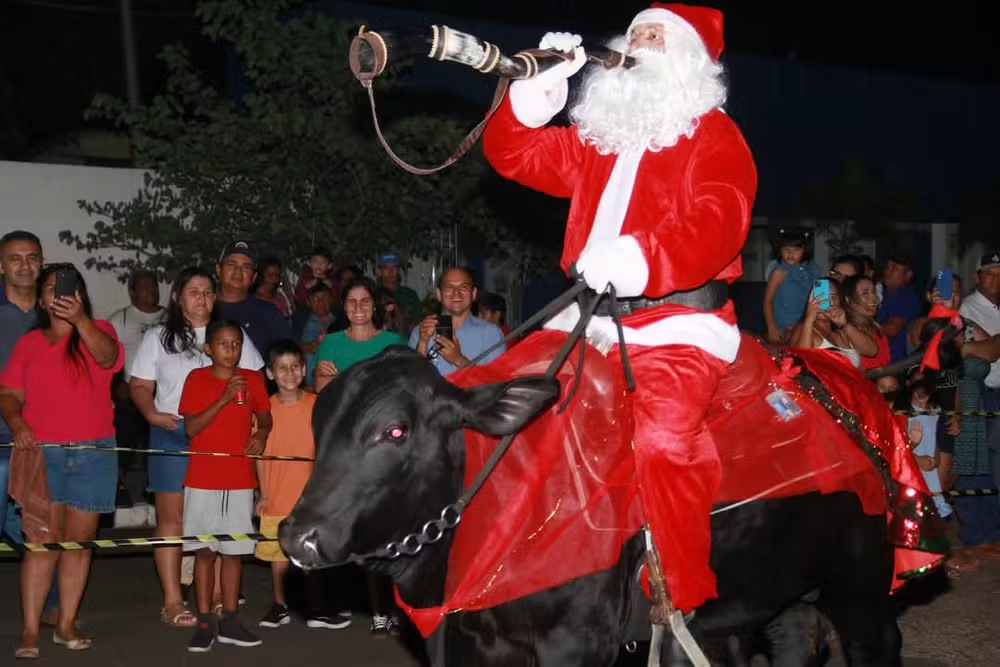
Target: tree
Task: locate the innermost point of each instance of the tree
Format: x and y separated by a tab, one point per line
291	163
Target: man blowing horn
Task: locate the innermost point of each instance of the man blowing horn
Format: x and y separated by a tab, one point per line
662	184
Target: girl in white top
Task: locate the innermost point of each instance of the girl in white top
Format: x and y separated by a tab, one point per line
827	329
166	355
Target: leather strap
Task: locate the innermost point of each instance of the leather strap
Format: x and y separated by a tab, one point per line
470	139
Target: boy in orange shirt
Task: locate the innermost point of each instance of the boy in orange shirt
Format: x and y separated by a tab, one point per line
282	482
219	404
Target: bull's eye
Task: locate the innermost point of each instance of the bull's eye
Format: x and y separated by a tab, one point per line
395	433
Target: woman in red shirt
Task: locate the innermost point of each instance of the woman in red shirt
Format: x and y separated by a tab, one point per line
56	388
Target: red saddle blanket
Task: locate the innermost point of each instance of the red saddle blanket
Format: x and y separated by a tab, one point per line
563	500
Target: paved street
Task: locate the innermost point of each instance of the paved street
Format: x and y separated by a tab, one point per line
954	626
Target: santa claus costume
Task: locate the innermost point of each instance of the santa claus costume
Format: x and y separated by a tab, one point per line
661	184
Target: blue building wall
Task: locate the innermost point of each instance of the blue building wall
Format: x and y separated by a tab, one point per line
804	122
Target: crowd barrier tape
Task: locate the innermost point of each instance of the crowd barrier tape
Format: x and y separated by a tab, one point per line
949	413
259	457
7	548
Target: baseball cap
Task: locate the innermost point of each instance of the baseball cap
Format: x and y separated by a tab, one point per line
988	261
239	248
388	258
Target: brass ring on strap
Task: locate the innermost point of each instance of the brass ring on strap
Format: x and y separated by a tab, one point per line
496	58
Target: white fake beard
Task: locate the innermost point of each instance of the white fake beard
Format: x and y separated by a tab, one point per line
652	105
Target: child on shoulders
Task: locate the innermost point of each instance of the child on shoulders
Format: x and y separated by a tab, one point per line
789	285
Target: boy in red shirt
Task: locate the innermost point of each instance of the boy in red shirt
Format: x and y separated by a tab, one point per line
219	404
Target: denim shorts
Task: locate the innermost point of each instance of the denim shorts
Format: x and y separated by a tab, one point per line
166	472
84	479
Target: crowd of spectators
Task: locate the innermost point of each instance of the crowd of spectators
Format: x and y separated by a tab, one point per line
230	364
873	317
234	358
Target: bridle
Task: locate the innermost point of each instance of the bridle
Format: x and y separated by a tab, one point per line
451	515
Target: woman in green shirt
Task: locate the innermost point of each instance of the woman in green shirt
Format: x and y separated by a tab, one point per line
362	339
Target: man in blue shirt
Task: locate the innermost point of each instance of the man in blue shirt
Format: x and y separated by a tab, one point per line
261	320
20	266
471	336
900	304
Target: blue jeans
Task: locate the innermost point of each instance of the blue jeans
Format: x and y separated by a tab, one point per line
10	526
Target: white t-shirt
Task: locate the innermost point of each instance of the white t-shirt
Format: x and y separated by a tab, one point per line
131	324
153	362
983	312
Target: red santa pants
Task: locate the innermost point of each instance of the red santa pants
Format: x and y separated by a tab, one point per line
676	461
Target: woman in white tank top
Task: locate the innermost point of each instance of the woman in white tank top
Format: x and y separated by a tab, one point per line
826	329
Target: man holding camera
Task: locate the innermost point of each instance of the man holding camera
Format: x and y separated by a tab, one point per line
451	340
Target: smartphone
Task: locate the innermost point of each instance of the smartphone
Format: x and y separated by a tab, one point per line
821	290
943	284
444	327
65	283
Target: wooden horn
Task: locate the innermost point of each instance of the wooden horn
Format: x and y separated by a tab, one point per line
371	52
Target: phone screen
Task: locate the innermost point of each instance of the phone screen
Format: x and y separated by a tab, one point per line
943	284
444	327
65	283
821	290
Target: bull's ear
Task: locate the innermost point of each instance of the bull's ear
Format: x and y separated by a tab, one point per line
505	407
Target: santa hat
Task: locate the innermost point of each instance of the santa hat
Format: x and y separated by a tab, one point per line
706	22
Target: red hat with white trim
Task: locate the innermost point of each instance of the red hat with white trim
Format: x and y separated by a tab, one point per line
706	22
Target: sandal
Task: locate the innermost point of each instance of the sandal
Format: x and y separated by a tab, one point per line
75	644
178	616
26	653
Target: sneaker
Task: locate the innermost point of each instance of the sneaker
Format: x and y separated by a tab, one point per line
393	625
276	617
380	625
232	631
204	634
329	622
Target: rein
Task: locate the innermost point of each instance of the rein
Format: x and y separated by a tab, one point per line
449	517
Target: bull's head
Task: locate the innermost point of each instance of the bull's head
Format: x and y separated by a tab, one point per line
390	452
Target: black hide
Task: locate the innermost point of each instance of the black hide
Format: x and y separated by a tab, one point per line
390	455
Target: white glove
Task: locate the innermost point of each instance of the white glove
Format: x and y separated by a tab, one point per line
619	262
537	100
567	43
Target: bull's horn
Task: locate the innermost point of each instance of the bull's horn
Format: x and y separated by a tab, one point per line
371	52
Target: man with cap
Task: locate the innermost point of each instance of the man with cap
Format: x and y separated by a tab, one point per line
261	320
899	305
390	276
661	184
983	308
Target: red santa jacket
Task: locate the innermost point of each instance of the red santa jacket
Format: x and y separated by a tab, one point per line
690	205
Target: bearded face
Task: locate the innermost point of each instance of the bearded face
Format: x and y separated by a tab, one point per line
654	104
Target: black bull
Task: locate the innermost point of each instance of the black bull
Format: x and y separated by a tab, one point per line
390	455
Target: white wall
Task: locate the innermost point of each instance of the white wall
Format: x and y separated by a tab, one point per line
42	198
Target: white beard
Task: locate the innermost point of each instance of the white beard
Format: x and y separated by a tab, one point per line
652	105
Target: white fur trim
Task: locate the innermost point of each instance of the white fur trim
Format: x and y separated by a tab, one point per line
702	330
616	197
536	102
662	16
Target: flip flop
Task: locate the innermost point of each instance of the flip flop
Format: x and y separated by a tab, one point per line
26	653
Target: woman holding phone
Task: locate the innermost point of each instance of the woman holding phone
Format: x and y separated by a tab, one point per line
67	362
860	300
825	325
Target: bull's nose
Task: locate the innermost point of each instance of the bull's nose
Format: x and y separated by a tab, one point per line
301	544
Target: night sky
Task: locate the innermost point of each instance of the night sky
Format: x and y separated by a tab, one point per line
55	54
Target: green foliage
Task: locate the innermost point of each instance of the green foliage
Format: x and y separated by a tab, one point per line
291	164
